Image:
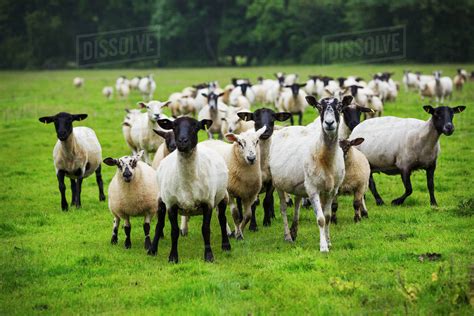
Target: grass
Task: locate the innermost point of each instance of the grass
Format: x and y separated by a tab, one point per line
62	263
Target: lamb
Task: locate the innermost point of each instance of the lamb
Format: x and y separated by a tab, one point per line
133	192
410	80
214	111
77	154
292	101
232	123
356	179
402	145
141	135
165	149
460	79
193	181
308	162
147	87
108	92
78	82
443	87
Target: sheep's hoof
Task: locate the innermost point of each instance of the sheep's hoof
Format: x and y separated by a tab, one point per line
253	227
208	256
398	201
294	232
379	202
231	235
240	237
64	206
288	238
357	218
289	202
365	214
114	240
147	243
101	197
128	243
267	223
324	248
173	258
334	219
183	232
226	246
151	252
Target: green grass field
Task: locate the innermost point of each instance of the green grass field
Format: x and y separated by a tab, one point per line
63	263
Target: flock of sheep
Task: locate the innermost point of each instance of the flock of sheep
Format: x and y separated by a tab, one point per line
169	172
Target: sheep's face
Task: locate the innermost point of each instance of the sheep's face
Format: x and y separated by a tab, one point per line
185	131
351	115
63	123
346	144
247	144
212	99
442	117
295	88
126	165
243	87
329	111
232	120
154	109
169	139
264	117
354	89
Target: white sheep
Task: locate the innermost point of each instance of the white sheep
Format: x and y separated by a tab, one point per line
292	100
78	82
134	82
119	81
214	110
147	87
77	154
443	87
243	90
410	80
307	162
459	79
108	92
124	89
192	181
374	103
402	145
133	192
232	123
291	79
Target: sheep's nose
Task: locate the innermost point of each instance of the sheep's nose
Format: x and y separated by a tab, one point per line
448	128
157	116
329	123
251	159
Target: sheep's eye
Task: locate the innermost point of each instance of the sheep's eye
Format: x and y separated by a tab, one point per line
120	167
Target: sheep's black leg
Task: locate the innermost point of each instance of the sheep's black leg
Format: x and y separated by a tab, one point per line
223	223
300	118
173	218
268	206
114	238
408	190
357	205
62	189
334	207
291	120
239	208
78	192
100	183
146	231
127	228
160	224
373	189
73	191
206	232
253	222
430	181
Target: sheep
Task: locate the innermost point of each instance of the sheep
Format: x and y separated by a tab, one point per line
193	181
108	92
460	78
314	86
443	87
124	89
260	91
141	135
242	158
356	179
147	87
77	154
242	90
126	127
227	91
427	89
165	149
308	162
200	101
134	82
78	82
374	103
292	101
402	145
119	81
291	79
410	80
133	192
232	123
214	111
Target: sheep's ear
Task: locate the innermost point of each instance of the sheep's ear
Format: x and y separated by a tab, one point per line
357	141
313	102
260	131
364	109
204	95
231	137
459	109
301	85
205	124
428	109
166	104
328	91
165	124
142	105
160	132
109	161
246	116
139	154
281	116
220	94
79	117
347	100
47	119
287	86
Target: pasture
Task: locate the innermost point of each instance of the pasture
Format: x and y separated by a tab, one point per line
58	262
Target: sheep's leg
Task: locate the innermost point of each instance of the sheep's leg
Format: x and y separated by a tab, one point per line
209	134
408	189
318	212
247	207
300	118
296	219
223	223
78	192
364	212
236	216
373	189
327	209
357	204
239	208
291	120
173	218
100	183
430	182
160	224
184	225
127	228
62	189
114	239
253	221
268	205
206	232
334	207
146	231
284	217
73	191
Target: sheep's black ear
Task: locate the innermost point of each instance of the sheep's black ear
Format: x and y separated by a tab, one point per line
204	95
246	116
165	124
160	132
428	109
220	94
205	124
459	109
313	102
301	85
281	116
47	119
347	100
166	104
365	109
287	86
110	161
79	117
357	141
142	105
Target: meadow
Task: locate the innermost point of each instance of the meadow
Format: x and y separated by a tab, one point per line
56	262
